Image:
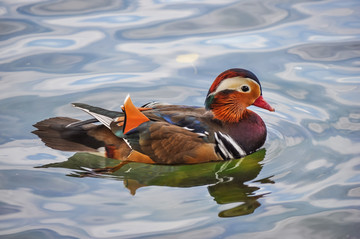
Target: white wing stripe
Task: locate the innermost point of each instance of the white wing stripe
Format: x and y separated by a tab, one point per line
102	118
233	143
229	151
222	148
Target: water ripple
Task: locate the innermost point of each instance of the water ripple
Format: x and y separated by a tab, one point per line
28	46
11	28
69	8
233	17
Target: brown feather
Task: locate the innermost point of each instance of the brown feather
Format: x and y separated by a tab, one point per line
169	144
136	156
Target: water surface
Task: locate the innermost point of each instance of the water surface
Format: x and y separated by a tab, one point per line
305	183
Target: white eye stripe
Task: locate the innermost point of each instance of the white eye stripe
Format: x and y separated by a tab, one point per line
233	84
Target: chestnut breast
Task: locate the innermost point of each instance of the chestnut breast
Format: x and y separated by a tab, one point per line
250	132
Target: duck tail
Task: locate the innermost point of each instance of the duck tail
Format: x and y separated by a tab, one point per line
56	134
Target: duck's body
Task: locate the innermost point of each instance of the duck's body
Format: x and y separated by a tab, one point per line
173	134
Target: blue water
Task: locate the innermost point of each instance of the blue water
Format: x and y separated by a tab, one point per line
305	53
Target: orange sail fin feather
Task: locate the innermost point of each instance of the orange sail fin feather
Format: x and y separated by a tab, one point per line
133	116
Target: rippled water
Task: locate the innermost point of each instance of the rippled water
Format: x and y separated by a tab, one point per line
306	184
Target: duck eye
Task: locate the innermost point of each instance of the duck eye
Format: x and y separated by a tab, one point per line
245	88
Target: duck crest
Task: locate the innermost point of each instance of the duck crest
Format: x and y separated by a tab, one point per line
232	73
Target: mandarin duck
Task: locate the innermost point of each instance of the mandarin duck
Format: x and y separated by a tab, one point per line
174	134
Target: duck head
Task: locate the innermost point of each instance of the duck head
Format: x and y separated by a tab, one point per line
232	92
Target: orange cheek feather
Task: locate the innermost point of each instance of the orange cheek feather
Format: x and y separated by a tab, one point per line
228	106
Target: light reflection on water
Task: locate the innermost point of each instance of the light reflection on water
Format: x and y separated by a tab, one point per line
306	54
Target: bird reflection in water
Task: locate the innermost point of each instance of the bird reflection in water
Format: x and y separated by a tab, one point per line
228	182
